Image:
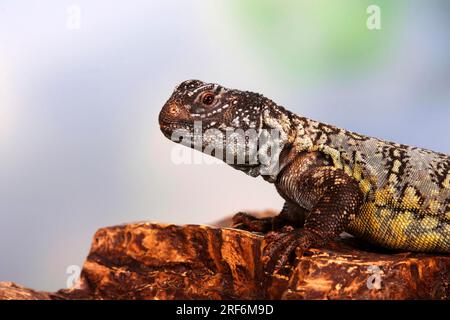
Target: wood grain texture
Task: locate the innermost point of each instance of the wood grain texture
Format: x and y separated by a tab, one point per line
162	261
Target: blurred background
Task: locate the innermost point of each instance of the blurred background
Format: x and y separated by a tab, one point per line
82	82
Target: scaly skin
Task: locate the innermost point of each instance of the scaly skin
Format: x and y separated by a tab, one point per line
333	180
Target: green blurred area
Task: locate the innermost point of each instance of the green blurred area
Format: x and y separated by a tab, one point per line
316	38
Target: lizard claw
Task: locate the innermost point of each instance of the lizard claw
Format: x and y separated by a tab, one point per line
281	247
245	221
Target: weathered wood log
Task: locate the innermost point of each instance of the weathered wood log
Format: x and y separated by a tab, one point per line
12	291
159	261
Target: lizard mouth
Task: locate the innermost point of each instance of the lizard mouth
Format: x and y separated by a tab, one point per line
174	116
168	128
168	123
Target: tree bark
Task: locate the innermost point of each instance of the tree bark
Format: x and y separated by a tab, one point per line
161	261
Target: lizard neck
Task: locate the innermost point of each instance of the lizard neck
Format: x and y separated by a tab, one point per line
339	145
311	135
301	134
278	123
274	133
290	134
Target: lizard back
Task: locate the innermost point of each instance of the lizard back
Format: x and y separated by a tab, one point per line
407	189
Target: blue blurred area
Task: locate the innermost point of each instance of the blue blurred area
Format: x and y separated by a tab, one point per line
80	146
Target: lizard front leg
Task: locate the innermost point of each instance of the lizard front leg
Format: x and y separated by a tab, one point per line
290	215
335	199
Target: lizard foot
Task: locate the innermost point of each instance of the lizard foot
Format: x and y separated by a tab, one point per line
281	246
245	221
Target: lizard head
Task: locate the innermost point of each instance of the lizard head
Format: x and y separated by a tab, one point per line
212	105
225	123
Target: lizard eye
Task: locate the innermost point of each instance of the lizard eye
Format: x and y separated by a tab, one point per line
208	98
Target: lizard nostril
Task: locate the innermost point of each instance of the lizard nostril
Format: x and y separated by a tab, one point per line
174	110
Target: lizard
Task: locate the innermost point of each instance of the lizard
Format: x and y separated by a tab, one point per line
333	180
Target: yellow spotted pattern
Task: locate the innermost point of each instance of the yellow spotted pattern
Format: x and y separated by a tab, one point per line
396	222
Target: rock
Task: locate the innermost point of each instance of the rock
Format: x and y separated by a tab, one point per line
160	261
12	291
